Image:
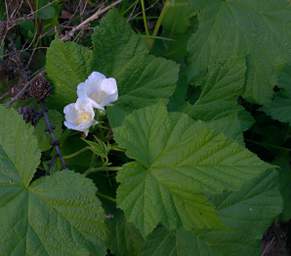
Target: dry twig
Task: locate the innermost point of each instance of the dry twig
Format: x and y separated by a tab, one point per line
93	17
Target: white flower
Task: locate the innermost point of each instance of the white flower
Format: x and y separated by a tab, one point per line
100	90
79	116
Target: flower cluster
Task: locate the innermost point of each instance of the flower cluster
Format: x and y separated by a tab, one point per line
95	93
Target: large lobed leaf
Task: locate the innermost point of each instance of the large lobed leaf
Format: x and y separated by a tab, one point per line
55	215
177	161
257	29
246	213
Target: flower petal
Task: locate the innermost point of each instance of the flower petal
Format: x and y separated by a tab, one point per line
80	115
95	77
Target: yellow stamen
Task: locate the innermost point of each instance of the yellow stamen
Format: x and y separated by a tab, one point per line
83	118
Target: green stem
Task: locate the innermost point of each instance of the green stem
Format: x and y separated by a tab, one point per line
106	197
76	153
161	18
102	169
130	7
159	38
116	148
159	22
144	18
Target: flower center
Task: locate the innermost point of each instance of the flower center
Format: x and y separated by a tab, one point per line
83	118
98	96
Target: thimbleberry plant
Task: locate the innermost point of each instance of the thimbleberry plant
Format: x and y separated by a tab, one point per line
151	138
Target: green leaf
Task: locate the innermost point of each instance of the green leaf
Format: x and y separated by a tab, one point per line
46	9
115	44
27	29
218	101
259	30
142	78
178	25
99	148
161	242
220	88
54	215
177	17
163	143
47	13
67	64
125	240
233	125
19	153
280	107
247	214
149	199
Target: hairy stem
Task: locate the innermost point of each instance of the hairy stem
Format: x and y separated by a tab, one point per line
50	130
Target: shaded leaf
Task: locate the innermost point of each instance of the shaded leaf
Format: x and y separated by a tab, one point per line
259	30
125	240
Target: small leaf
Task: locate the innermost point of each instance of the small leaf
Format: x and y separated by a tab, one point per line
47	13
99	148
